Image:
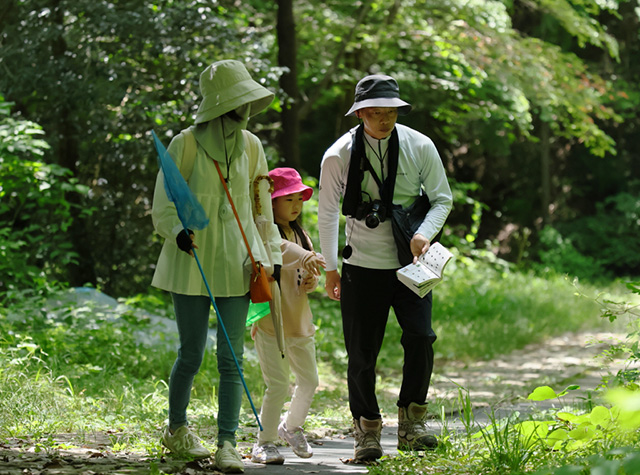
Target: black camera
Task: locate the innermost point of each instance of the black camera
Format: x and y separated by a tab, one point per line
373	212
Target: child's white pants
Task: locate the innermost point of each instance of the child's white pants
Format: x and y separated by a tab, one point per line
300	359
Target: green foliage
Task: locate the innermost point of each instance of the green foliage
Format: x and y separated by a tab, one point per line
74	333
485	306
610	235
481	82
110	359
106	74
620	461
559	254
466	209
84	362
507	449
34	211
577	18
605	436
627	311
30	405
467	69
36	403
569	431
613	310
512	443
409	463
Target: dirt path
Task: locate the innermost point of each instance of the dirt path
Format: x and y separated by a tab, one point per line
557	362
500	383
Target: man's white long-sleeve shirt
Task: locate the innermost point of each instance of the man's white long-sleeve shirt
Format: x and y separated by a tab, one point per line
419	168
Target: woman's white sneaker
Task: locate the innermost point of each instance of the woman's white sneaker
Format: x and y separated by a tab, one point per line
184	443
228	460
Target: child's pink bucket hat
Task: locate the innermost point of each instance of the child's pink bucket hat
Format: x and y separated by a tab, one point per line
287	181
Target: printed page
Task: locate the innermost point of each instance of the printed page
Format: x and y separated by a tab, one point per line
436	258
417	273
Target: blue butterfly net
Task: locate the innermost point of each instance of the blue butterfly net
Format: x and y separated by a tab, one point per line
190	211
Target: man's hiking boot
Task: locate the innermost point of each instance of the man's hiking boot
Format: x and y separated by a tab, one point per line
367	444
412	428
184	443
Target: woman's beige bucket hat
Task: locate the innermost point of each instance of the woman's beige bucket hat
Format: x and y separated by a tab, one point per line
225	86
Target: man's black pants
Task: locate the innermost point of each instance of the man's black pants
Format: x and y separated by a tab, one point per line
367	295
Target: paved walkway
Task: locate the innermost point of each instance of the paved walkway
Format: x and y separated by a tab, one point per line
500	385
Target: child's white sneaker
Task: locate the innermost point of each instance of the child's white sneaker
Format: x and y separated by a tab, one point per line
267	454
184	443
296	440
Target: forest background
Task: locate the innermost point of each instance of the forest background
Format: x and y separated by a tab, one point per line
533	106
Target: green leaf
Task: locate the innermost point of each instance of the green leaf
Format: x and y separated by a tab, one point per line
542	393
567	416
601	416
556	438
631	463
584	431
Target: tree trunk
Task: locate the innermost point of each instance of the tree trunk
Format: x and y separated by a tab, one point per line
67	155
545	171
287	54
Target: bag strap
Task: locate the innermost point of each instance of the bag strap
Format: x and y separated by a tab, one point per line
359	163
188	154
256	267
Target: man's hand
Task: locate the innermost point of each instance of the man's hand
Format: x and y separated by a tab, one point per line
419	245
332	284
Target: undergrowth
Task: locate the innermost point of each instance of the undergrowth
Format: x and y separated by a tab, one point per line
76	361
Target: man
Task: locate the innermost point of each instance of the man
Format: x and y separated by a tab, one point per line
372	168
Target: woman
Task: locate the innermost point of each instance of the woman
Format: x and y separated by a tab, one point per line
230	97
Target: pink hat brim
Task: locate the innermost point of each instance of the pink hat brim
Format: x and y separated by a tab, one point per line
306	191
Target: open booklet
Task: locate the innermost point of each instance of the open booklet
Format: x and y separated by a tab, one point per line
427	272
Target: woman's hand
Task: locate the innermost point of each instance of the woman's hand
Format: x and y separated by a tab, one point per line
276	273
185	241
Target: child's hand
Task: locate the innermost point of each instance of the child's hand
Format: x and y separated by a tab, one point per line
309	283
313	264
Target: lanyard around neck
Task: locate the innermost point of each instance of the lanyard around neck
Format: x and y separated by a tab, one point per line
380	156
226	155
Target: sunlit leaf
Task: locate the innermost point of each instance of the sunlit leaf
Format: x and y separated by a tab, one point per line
542	393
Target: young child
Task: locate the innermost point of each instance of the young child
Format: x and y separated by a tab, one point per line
299	275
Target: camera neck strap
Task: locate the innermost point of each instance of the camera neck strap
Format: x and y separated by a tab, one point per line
359	163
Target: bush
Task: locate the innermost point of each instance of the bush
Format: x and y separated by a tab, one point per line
34	211
611	235
558	253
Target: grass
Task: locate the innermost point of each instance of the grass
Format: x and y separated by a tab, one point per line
82	368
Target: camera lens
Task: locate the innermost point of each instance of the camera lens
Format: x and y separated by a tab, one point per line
375	216
372	220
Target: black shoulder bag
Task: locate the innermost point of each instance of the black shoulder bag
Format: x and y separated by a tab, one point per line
405	222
